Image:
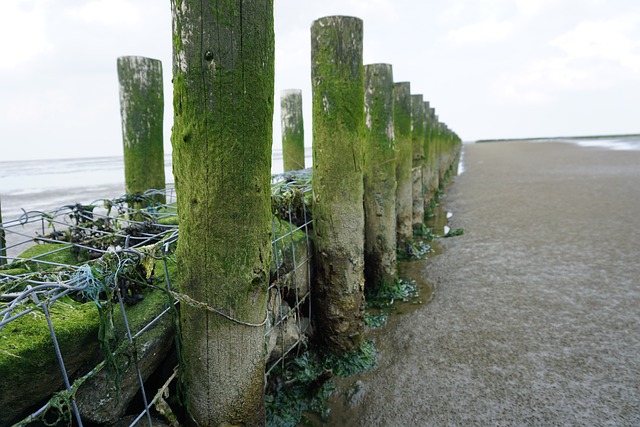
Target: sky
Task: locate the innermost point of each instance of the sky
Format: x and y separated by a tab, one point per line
490	68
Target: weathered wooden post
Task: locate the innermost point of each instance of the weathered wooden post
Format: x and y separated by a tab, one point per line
3	241
437	158
404	192
426	164
379	178
433	152
223	90
338	125
417	146
142	110
442	153
292	129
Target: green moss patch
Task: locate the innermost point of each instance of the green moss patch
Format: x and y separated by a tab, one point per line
39	257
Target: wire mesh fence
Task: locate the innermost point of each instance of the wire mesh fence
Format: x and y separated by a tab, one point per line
88	312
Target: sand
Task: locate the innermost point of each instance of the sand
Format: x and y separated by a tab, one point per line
536	315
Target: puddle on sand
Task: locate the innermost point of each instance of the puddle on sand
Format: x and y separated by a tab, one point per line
344	402
438	221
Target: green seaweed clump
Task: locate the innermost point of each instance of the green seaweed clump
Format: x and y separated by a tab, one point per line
302	385
362	359
401	290
375	320
305	385
413	250
454	233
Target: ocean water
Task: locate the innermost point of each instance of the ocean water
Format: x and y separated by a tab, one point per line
44	185
622	143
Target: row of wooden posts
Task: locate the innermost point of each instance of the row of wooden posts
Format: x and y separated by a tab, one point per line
379	155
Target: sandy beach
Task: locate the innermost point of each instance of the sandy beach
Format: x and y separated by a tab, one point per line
536	315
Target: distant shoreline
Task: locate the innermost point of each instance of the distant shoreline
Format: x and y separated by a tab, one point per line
547	138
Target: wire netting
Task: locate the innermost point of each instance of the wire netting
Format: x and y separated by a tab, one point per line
101	275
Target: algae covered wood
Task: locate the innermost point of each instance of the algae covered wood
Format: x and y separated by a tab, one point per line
430	132
223	82
427	171
417	147
379	178
404	192
292	129
142	112
338	215
30	371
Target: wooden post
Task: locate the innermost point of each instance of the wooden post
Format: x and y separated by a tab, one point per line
292	129
379	178
3	241
442	151
142	110
426	165
433	152
417	146
223	90
437	159
338	215
404	194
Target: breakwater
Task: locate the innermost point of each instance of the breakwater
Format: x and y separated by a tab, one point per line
225	269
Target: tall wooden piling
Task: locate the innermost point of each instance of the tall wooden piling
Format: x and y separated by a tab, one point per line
223	83
426	164
433	152
338	215
3	241
417	146
379	178
142	111
404	192
292	129
442	153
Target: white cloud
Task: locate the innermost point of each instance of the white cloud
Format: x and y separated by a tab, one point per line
107	12
490	31
592	56
22	29
610	40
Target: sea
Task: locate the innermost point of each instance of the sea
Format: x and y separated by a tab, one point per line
45	185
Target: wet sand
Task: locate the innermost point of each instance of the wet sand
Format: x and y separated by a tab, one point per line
536	315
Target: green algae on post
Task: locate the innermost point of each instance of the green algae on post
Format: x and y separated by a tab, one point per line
142	111
417	141
292	129
402	134
427	171
379	177
223	80
432	145
338	215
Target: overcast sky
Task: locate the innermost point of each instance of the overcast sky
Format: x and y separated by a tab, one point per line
491	68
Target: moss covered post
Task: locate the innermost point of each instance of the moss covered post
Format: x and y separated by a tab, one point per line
441	157
437	146
417	147
3	241
142	111
426	164
292	129
223	90
402	133
379	178
338	215
433	149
